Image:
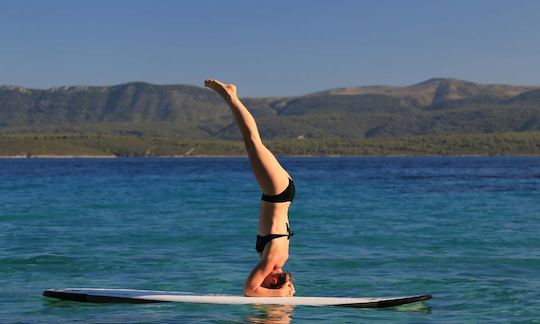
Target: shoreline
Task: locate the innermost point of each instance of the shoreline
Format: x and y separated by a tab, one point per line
53	156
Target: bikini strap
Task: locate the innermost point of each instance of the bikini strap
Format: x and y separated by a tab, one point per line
289	233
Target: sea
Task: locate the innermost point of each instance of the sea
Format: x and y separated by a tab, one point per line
463	229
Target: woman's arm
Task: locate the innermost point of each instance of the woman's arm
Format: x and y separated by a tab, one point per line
253	288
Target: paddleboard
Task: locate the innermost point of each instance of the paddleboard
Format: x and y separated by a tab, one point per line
100	295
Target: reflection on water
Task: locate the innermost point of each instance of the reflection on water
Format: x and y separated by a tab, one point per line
284	313
271	314
419	307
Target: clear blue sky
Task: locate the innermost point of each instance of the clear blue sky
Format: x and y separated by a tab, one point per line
268	47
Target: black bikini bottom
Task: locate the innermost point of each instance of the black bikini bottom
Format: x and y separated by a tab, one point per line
263	240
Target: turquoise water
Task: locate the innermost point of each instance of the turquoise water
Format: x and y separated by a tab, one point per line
463	229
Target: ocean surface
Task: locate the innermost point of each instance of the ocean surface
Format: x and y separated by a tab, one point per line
464	229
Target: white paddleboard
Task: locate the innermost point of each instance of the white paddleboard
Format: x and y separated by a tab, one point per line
99	295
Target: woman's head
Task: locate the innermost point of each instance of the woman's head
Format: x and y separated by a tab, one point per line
276	280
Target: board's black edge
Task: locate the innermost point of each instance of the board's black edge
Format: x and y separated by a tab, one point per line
96	298
388	303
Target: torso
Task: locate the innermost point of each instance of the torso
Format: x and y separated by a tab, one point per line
273	219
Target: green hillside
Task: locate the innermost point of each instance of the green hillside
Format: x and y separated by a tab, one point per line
140	112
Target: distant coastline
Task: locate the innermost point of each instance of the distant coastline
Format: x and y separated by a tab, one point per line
90	157
72	120
436	117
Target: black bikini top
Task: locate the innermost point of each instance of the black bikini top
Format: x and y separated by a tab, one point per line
286	195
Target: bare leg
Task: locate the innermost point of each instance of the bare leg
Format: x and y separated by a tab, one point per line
270	175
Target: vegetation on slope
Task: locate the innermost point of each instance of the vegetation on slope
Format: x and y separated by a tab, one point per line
129	146
145	119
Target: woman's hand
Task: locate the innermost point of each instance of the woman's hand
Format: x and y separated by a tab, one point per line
287	290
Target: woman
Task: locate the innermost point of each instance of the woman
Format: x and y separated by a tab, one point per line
267	279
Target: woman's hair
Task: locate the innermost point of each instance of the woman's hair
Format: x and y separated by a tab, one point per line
283	278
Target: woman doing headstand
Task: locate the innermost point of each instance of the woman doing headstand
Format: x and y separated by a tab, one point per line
267	277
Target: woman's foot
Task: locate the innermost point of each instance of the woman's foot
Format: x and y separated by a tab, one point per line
227	91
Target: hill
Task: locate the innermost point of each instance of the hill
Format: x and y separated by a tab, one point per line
437	90
434	107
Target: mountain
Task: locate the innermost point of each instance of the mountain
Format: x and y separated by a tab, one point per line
437	90
433	107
